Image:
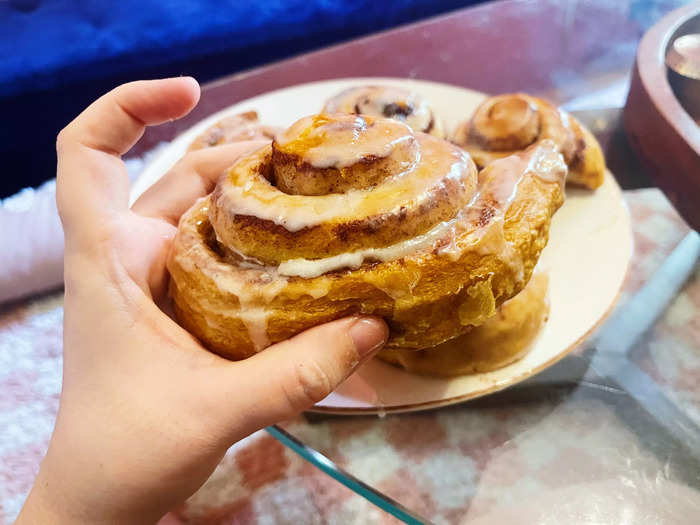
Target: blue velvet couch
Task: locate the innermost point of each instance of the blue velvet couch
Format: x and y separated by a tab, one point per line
56	56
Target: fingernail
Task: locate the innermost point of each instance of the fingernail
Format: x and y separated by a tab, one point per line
368	334
191	80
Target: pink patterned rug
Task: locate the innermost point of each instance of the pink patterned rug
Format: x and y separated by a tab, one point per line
494	460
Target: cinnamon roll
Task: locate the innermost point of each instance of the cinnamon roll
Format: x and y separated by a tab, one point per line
499	341
345	214
390	102
244	126
505	124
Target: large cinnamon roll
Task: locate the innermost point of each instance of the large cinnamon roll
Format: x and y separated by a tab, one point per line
236	128
391	102
346	214
505	124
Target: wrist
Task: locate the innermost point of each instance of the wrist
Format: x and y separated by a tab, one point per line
40	507
56	499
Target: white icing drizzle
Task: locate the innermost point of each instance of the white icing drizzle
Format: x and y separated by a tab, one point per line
256	286
254	318
485	240
255	321
245	192
345	139
309	268
548	167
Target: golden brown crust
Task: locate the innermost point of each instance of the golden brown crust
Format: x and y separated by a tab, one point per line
297	177
505	124
244	126
428	292
420	206
587	169
499	341
332	237
295	159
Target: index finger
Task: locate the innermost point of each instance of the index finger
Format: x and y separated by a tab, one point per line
91	178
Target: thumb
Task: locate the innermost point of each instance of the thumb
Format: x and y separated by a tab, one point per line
293	375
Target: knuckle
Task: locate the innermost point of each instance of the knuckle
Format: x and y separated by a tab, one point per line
62	139
97	241
311	385
186	164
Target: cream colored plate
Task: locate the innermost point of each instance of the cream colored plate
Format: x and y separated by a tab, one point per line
587	257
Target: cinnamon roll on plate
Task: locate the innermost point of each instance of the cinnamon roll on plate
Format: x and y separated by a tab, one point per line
388	101
236	128
505	124
409	229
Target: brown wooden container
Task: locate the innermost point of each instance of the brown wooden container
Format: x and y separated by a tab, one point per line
660	130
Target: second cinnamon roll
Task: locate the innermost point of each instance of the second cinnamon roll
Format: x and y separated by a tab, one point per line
390	102
505	124
236	128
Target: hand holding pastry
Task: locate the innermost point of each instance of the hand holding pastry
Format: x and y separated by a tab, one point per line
350	214
146	413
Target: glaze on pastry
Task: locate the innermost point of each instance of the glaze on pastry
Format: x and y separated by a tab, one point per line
346	214
505	124
244	126
499	341
391	102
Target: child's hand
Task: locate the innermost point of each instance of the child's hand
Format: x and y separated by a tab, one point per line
146	412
